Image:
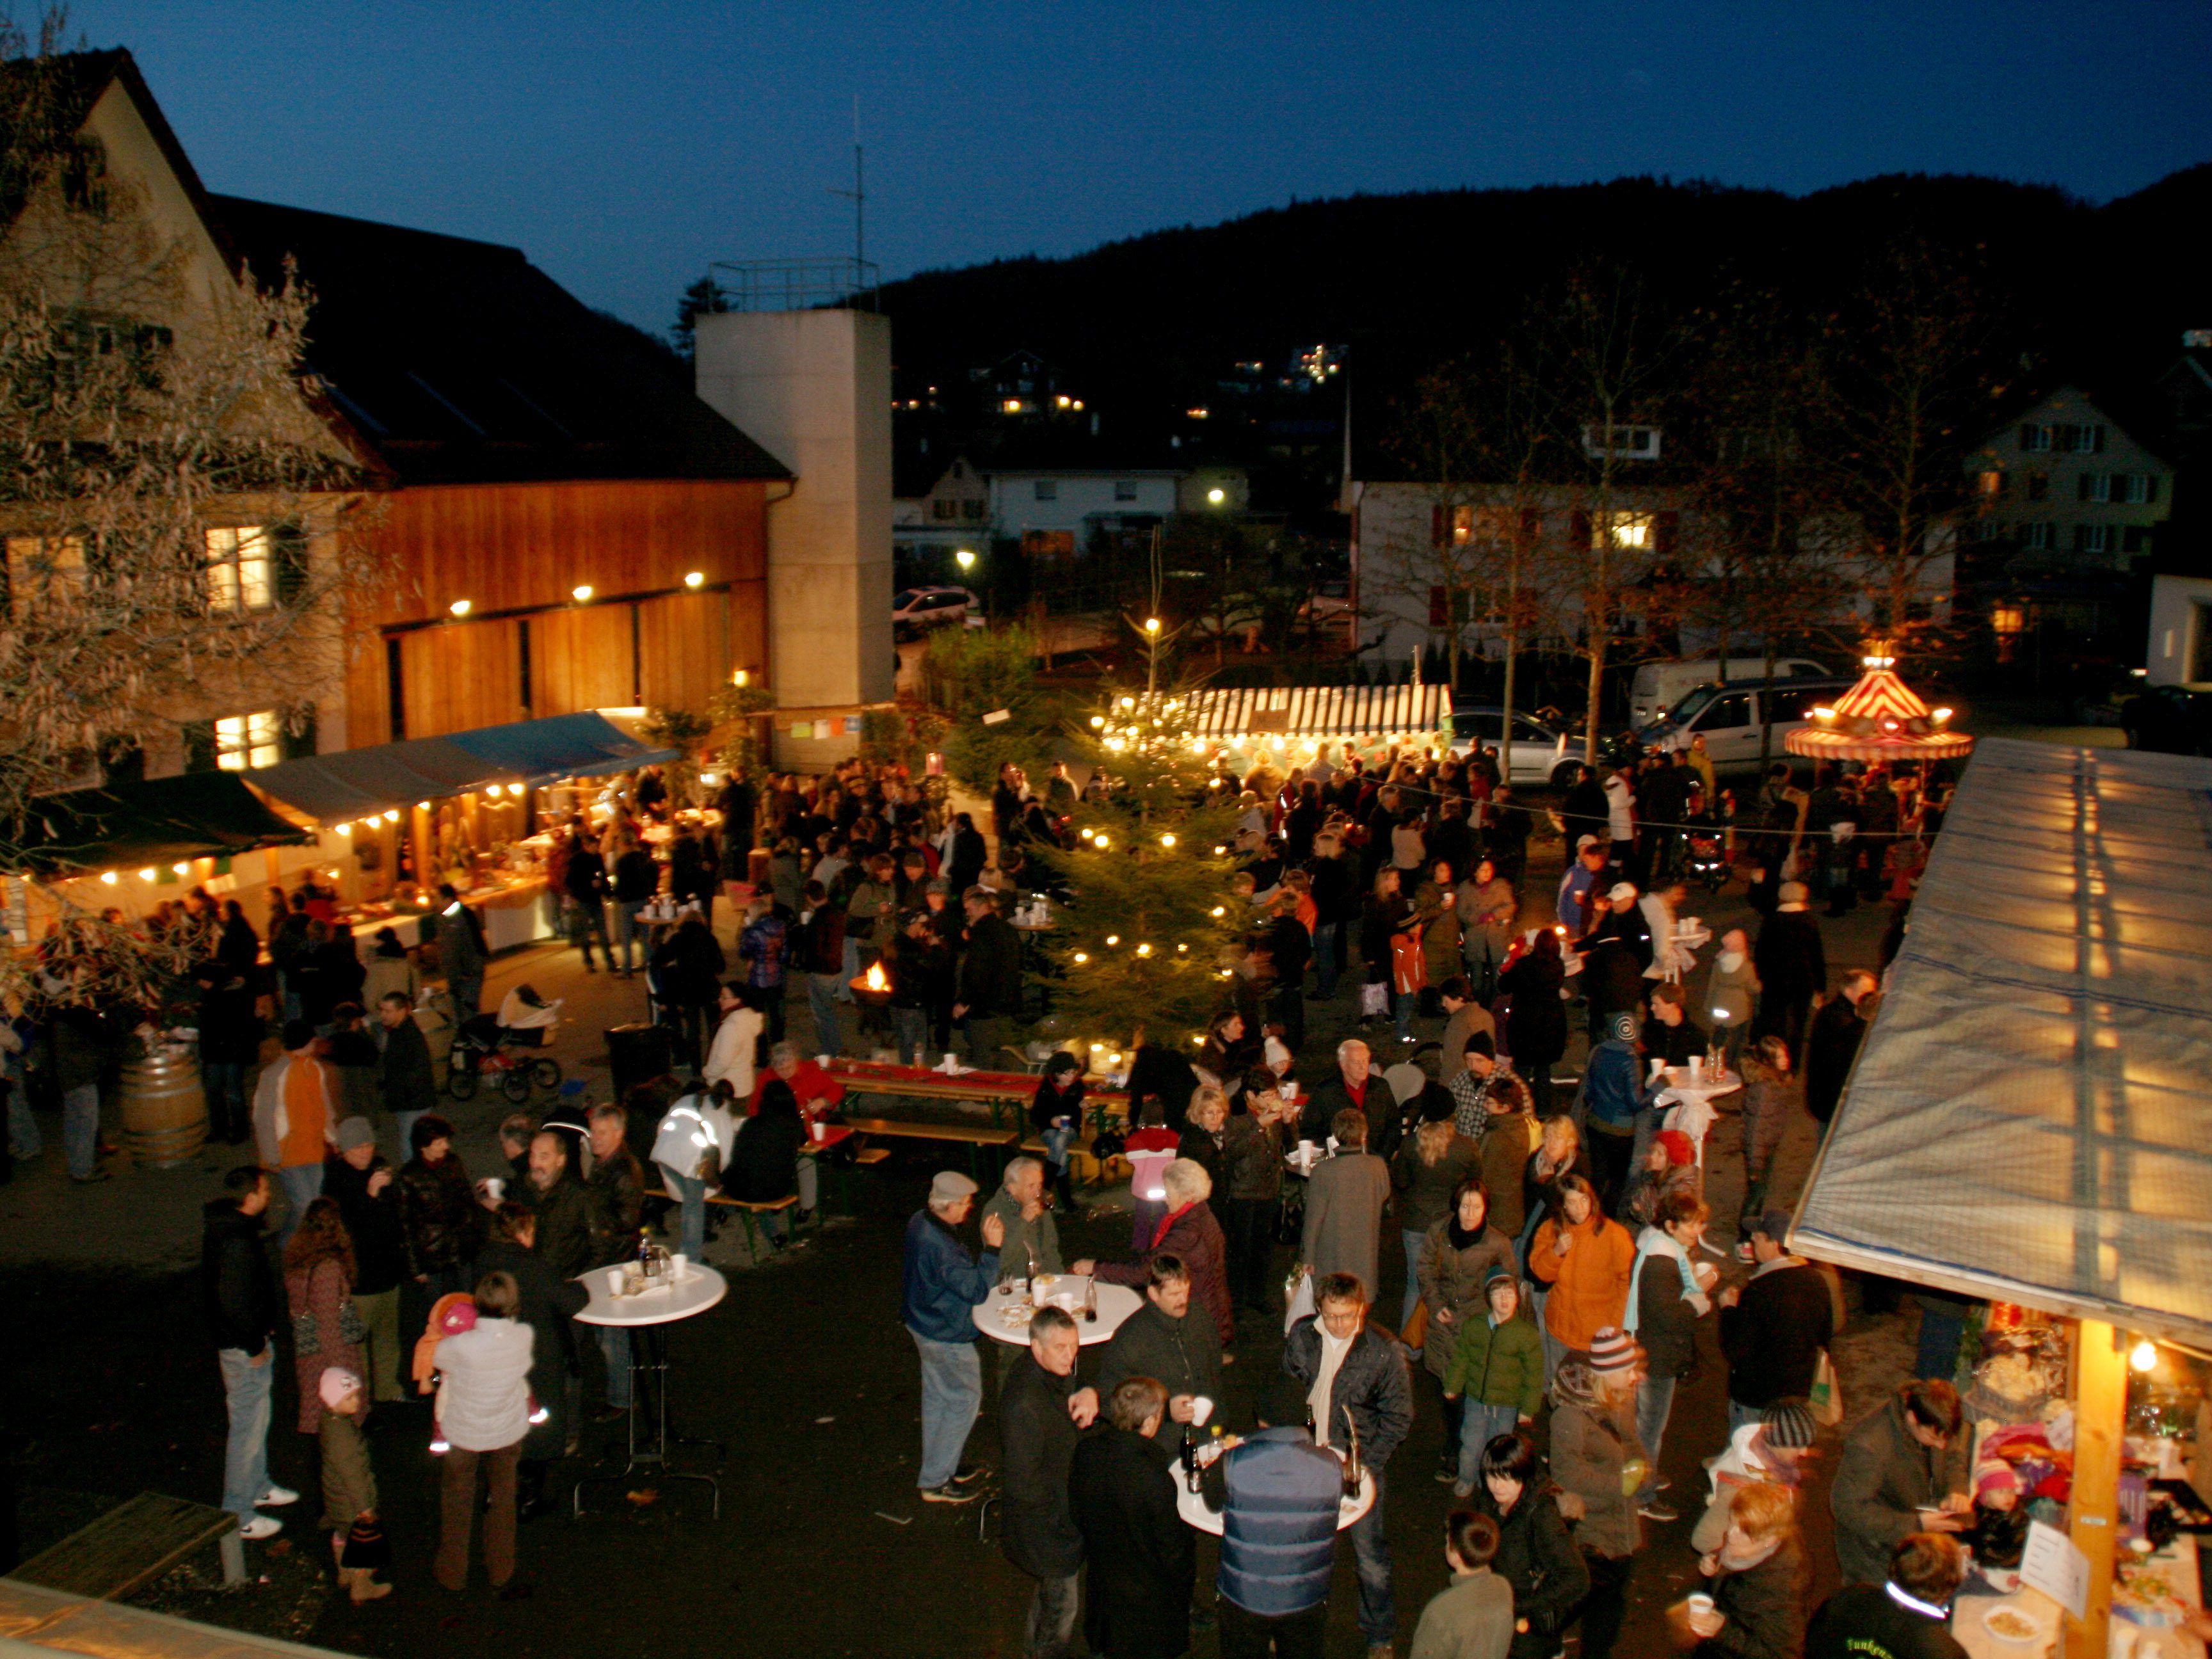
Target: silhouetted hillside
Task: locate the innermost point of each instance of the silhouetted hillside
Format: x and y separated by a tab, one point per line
1147	326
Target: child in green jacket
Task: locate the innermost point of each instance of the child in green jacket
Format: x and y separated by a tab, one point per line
1500	1367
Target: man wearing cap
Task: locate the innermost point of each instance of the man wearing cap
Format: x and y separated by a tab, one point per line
1582	877
368	1196
294	1119
1774	1327
1792	965
1616	950
944	1285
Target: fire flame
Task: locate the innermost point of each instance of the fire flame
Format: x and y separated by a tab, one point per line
875	978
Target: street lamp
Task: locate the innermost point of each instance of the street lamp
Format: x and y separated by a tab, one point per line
694	578
581	593
966	558
1216	496
461	607
1151	625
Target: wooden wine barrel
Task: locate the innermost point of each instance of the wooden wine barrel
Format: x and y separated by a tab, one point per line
165	1120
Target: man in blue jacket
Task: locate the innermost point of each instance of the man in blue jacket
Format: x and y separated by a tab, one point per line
944	1285
1617	1106
1279	1494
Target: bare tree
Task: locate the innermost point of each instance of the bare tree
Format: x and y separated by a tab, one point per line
175	506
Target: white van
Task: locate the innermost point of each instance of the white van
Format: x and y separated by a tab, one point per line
1658	686
1743	725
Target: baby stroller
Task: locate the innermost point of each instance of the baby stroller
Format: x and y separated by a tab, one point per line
497	1046
1708	851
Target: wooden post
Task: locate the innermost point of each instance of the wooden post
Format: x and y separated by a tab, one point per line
2101	1409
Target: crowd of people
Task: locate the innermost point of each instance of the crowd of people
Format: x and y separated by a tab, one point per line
1551	1229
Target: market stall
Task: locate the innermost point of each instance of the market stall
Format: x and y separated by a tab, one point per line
1293	721
2029	1125
397	819
128	845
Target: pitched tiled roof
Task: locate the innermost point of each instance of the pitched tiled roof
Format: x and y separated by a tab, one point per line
462	362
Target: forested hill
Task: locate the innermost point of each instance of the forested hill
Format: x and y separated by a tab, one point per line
1144	326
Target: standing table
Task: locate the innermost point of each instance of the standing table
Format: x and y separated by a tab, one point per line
649	1315
1003	1315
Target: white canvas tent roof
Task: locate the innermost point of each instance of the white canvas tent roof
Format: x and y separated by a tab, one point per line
1311	713
2030	1118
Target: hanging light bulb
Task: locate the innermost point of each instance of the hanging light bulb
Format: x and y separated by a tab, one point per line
1082	956
1219	911
1113	938
1144	950
2144	1356
1167	841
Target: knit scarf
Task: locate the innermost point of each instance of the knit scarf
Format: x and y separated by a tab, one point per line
1653	1241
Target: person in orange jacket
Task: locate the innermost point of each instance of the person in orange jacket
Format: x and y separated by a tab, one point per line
1585	1259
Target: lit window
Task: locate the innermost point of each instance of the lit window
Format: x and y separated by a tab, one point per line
248	740
44	566
239	573
1991	484
1622	530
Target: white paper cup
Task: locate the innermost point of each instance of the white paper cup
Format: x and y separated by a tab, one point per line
1201	1407
613	1281
1696	1068
816	1129
1699	1602
822	1061
678	1265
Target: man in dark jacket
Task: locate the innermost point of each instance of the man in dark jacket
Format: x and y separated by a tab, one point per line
368	1195
1793	967
462	951
1143	1557
405	1075
585	884
1899	1463
1165	1341
969	855
1773	1327
557	1198
1832	1044
548	1304
1042	1409
1349	1371
238	1290
1352	1086
1905	1616
230	1041
617	1191
990	978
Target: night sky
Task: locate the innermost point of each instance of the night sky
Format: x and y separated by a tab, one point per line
625	143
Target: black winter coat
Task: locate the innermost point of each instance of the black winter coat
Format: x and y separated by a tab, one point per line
1183	1356
1764	1606
404	1074
549	1306
1144	1560
617	1189
764	1164
1038	1438
230	1032
1372	1384
238	1287
440	1212
564	1223
1539	1560
379	1237
991	972
1831	1045
1791	960
1536	1024
1773	1335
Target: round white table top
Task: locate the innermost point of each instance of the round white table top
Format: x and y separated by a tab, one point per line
1191	1505
1709	1086
700	1289
997	1318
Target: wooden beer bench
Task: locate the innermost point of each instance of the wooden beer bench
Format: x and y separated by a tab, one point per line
134	1544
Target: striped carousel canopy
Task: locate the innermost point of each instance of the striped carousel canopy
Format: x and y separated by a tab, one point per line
1315	713
1880	719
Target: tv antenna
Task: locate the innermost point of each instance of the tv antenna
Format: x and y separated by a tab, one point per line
858	193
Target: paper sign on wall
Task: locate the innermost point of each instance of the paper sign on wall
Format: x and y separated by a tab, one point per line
2055	1567
852	725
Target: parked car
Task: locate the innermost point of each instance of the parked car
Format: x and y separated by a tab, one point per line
1730	719
1537	749
1658	686
2169	720
916	608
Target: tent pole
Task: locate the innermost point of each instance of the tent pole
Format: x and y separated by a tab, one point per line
2101	1407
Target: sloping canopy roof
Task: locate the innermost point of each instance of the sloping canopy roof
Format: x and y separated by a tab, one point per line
157	821
1879	718
462	362
356	782
1315	711
2030	1117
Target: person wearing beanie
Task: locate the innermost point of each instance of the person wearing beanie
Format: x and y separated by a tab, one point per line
1772	1447
1775	1327
1792	965
1998	1537
357	1177
1597	1461
944	1284
350	1510
1621	1109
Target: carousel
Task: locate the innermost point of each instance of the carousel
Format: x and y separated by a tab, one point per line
1880	719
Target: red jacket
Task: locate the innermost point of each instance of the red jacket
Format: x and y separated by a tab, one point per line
817	1090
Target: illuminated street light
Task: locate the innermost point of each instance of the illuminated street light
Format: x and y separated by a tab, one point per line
966	557
461	607
580	592
1217	496
695	578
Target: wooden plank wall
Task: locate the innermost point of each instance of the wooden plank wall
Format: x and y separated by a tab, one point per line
524	546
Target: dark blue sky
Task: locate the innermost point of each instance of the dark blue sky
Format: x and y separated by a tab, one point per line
625	143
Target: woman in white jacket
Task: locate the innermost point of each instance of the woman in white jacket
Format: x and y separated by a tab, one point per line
691	1146
484	1413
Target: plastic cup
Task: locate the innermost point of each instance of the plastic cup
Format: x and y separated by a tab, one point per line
1201	1407
1696	1068
613	1281
678	1265
816	1129
1701	1603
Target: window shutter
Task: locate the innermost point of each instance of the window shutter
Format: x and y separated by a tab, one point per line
2150	486
1439	606
288	544
1532	525
1578	530
2026	439
199	746
2081	487
1436	526
1669	525
299	738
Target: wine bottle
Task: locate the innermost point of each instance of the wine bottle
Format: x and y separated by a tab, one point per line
1189	1459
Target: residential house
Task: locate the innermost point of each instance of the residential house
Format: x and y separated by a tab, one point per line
2065	479
1061	512
936	510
